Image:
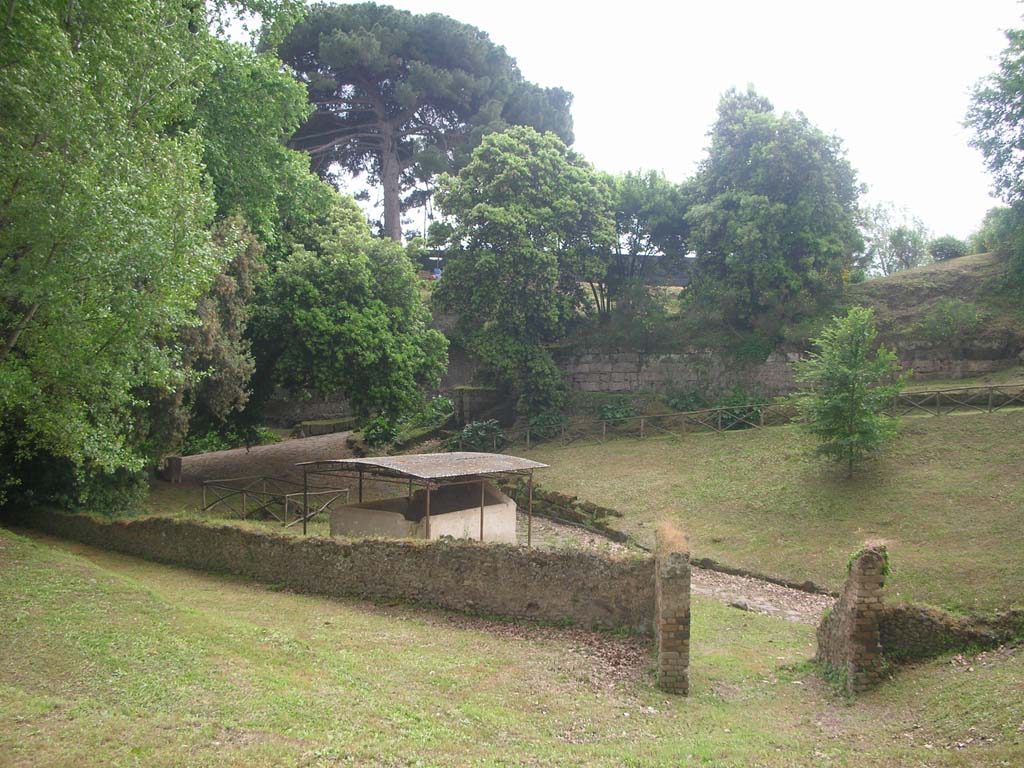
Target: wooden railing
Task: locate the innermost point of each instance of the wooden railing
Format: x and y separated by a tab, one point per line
936	402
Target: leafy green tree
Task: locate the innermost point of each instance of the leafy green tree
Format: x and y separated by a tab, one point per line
996	115
850	380
527	222
893	240
109	139
104	247
247	109
650	228
947	247
342	313
774	219
401	96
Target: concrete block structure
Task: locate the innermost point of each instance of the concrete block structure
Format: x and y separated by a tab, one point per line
457	511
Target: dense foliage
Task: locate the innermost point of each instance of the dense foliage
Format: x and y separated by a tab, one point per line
402	96
342	314
104	247
850	380
528	220
650	236
145	187
947	247
774	219
997	117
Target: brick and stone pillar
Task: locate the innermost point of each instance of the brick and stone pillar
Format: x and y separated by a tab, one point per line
849	641
672	609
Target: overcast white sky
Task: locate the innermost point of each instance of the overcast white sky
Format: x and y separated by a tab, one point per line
889	78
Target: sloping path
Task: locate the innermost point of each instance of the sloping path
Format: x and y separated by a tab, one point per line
275	460
750	594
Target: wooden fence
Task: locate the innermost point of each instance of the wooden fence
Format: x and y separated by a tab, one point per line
983	399
936	402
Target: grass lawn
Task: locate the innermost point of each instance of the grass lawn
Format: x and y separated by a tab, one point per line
947	497
110	660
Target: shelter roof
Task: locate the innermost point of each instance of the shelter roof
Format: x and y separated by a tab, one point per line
430	466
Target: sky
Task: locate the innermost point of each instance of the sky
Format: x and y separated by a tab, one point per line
891	79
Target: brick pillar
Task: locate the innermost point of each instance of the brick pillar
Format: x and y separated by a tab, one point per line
849	640
672	609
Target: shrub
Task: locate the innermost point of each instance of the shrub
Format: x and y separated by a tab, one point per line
478	436
547	425
947	247
434	413
686	401
950	322
379	431
225	438
615	413
744	408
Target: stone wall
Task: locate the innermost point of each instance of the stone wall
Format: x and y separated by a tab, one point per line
911	632
672	610
707	372
284	410
861	630
697	370
849	638
582	588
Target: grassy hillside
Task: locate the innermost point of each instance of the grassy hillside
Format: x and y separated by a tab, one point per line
907	303
947	497
110	660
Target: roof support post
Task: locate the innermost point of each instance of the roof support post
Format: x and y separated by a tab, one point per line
428	512
360	486
482	482
529	510
305	498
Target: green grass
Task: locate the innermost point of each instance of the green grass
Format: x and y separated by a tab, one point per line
109	660
947	497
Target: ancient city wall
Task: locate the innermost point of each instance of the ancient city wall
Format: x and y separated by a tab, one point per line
586	589
707	372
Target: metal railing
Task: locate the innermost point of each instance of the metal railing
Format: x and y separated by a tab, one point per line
281	499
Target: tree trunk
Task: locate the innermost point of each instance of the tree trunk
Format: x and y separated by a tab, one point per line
391	171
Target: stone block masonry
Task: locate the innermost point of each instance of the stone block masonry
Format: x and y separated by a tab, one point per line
586	589
849	637
672	609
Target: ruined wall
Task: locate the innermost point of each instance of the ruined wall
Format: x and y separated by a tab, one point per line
583	588
849	639
910	632
861	630
672	610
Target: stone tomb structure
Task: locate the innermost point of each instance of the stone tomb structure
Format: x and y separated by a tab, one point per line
443	494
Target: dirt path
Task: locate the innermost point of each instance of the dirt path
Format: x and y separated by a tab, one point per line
759	596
